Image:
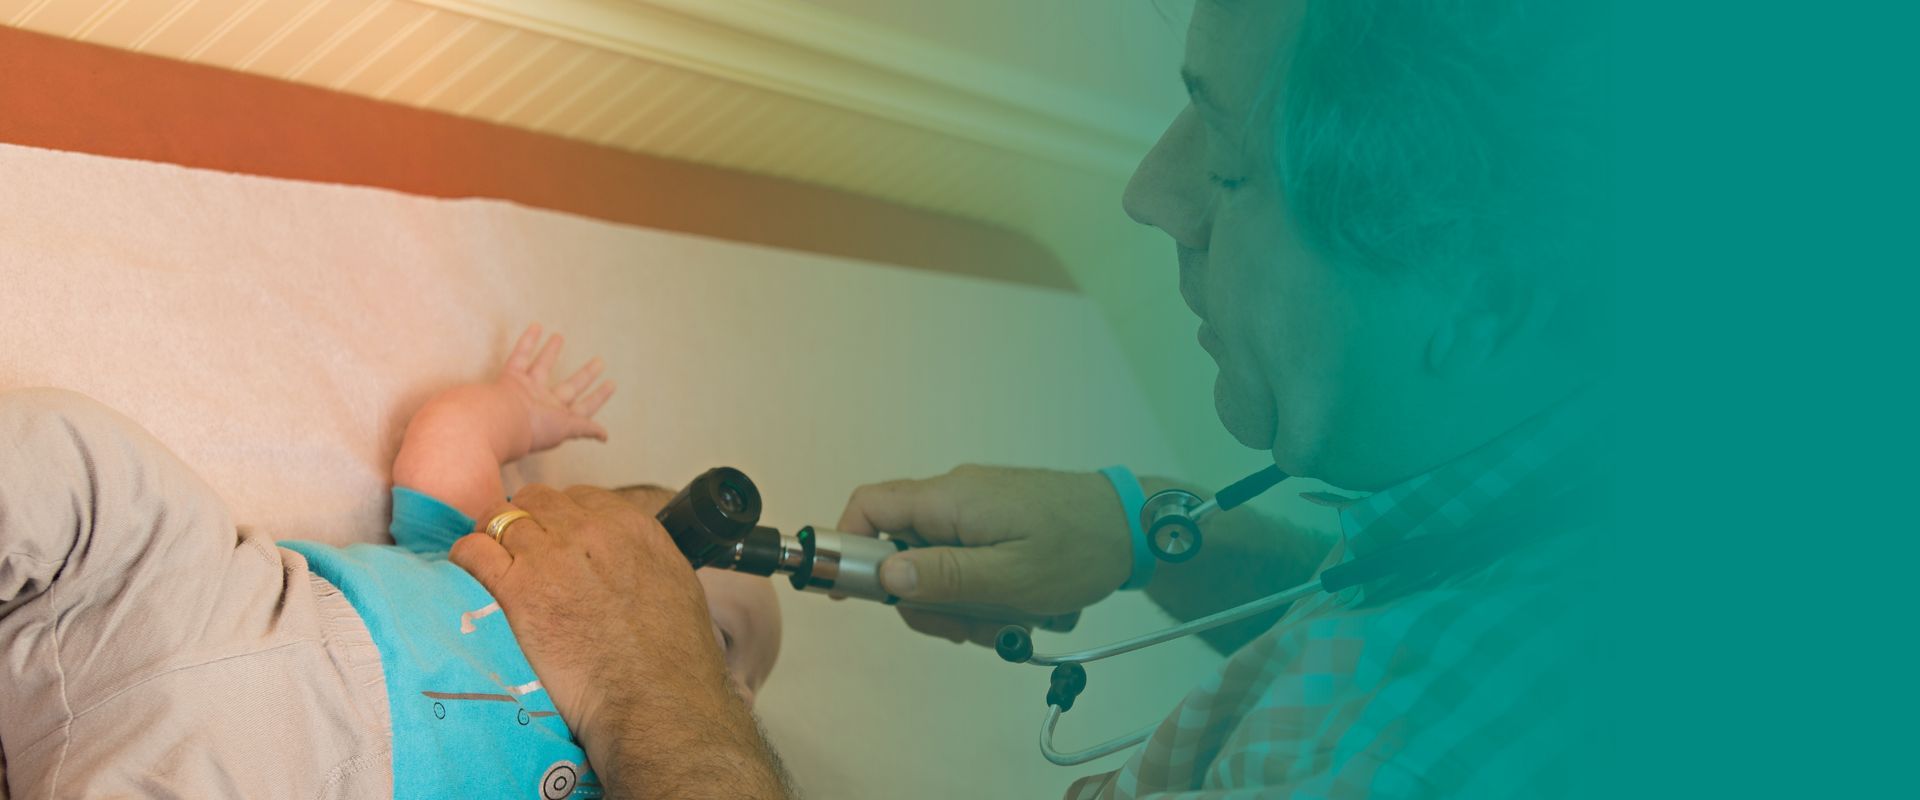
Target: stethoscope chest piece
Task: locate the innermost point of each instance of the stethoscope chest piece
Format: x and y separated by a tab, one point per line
1173	527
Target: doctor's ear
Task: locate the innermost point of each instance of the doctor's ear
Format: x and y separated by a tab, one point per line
1489	315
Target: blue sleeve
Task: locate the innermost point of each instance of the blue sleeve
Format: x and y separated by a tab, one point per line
424	525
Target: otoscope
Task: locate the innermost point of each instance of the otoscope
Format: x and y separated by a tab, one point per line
715	521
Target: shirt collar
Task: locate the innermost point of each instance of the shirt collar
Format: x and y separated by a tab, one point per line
1528	459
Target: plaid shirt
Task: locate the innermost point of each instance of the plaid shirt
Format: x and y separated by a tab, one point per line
1460	685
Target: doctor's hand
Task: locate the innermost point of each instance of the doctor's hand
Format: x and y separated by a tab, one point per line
615	625
1039	541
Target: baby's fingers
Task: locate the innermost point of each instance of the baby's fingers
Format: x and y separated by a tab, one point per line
522	355
543	363
590	405
572	387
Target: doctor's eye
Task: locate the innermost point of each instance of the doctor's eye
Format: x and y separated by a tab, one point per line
1224	182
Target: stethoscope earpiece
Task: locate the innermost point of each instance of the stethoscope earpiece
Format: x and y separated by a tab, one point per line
1014	644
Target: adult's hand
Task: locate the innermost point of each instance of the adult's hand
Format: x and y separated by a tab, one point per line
615	624
1039	541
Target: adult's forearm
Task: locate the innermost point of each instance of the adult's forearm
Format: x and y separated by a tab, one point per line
684	743
1245	556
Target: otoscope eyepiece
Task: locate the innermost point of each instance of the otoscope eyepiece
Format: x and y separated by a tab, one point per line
729	499
712	514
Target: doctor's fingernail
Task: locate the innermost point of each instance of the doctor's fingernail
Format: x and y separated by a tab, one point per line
899	576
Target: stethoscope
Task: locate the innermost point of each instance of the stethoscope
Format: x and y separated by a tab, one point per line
1172	520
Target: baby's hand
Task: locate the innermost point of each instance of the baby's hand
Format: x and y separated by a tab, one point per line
556	412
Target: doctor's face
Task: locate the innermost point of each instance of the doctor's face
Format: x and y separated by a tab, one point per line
1311	355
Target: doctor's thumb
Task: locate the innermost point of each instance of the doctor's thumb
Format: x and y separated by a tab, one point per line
941	574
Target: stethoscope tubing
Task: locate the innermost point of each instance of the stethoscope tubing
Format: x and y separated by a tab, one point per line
1401	557
1098	751
1240	492
1206	623
1123	647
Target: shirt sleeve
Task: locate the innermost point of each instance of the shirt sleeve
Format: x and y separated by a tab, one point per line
425	525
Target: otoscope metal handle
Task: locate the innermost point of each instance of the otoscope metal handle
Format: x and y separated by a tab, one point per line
848	565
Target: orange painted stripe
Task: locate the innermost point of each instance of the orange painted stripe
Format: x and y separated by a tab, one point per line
67	95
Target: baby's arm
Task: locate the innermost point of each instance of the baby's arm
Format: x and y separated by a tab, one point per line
456	443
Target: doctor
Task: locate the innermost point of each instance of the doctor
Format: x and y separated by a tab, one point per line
1386	217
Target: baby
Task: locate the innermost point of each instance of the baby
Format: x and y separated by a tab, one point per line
151	649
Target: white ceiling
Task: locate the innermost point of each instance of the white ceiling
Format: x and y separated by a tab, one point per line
1123	50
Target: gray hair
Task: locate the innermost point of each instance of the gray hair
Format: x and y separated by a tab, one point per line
1451	138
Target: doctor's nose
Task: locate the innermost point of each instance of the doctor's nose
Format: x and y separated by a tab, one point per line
1169	190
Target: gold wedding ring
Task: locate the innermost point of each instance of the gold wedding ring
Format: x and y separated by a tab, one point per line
497	526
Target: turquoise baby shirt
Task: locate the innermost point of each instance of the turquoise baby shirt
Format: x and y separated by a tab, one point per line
469	717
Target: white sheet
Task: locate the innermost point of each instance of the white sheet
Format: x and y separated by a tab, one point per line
277	335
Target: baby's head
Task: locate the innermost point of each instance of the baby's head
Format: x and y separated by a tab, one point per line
746	616
746	620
